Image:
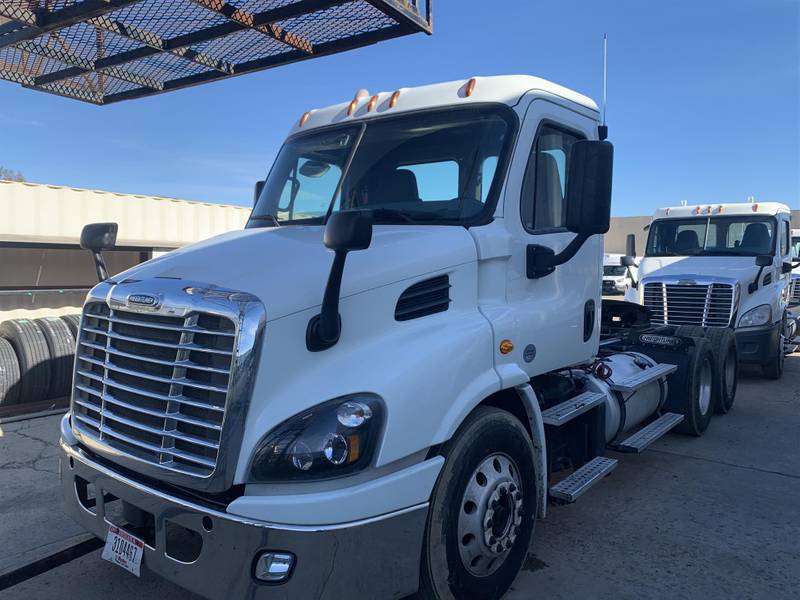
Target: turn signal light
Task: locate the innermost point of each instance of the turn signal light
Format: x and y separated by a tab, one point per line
506	346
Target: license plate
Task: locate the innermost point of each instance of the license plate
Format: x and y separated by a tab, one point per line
123	549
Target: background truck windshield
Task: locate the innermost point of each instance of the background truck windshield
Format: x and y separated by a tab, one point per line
433	167
614	270
711	236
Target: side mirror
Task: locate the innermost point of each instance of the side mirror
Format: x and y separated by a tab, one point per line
588	201
627	261
259	187
762	260
786	268
588	204
630	245
97	237
346	231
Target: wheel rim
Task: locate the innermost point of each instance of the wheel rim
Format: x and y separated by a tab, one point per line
704	394
490	516
730	372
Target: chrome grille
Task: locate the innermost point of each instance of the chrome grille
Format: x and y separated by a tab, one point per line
154	386
706	305
794	292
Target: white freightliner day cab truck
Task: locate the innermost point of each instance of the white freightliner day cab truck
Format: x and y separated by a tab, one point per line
379	385
722	266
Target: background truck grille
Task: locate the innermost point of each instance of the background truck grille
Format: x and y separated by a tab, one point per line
154	386
677	304
794	291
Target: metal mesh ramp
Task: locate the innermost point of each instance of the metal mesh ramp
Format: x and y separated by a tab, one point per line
104	51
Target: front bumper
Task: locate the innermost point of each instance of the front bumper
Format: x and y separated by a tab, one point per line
373	558
756	345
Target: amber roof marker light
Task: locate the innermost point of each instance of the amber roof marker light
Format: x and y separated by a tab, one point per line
304	118
469	89
393	100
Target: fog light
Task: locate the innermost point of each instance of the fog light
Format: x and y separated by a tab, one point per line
274	566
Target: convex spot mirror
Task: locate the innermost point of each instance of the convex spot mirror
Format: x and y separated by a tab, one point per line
763	260
349	230
588	201
314	168
99	236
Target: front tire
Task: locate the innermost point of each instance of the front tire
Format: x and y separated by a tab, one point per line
774	368
482	510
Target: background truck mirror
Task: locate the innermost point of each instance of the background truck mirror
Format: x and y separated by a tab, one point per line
257	191
630	245
627	261
588	201
97	237
762	260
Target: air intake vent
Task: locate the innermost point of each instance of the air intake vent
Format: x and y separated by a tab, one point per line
424	298
767	279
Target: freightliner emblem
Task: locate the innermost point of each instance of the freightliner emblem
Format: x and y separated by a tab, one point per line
143	300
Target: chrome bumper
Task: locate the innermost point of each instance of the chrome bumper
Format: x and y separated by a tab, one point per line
374	558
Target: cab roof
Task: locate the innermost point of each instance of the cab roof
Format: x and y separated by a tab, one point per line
505	89
741	208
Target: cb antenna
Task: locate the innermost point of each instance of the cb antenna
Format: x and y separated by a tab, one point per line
602	130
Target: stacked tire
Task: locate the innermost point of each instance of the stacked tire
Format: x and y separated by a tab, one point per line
36	358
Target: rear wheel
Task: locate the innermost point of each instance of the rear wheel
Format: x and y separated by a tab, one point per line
698	403
482	510
9	374
30	346
726	362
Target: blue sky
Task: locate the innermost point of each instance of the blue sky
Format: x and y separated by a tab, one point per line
704	101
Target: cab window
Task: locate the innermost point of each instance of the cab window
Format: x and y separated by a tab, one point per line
545	185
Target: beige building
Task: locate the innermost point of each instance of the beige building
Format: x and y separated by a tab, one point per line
43	271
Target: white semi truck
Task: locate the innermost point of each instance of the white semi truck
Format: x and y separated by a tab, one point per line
378	386
723	265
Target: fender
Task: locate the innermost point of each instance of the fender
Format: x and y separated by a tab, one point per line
531	404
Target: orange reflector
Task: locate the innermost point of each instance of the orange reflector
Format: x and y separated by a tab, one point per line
506	346
755	207
470	87
304	118
719	208
355	448
352	108
393	100
696	210
708	210
373	102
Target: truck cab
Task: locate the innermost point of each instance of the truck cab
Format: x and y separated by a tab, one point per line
369	390
722	265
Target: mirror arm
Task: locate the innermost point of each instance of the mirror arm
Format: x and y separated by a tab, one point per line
543	260
753	285
100	265
324	329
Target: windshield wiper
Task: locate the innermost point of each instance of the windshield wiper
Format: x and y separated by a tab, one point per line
391	213
272	218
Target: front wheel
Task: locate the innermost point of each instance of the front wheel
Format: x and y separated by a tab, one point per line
774	368
482	510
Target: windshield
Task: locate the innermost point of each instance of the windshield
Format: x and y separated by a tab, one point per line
435	167
614	270
711	236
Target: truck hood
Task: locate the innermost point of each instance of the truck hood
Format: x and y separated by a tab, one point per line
287	267
742	269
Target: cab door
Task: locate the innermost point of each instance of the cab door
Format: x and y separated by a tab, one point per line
557	315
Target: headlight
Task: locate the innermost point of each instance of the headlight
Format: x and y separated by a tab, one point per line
760	315
329	440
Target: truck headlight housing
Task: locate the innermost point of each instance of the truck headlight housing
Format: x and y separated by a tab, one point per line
329	440
760	315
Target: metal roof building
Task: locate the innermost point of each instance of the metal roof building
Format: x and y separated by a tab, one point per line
43	271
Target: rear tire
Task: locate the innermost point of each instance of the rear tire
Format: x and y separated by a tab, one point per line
726	362
30	347
61	344
697	407
9	374
73	323
482	510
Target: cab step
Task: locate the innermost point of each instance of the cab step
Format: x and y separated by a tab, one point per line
566	411
649	434
642	378
571	488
